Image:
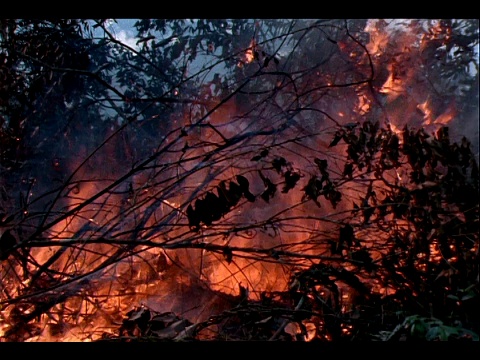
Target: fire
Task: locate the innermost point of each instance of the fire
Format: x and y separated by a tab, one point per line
404	75
250	52
379	39
364	104
148	210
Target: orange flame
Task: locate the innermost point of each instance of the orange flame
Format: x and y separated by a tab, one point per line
250	52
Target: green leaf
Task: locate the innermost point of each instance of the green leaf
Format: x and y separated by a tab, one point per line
469	296
436	332
418	329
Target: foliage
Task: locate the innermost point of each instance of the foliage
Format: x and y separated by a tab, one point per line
429	329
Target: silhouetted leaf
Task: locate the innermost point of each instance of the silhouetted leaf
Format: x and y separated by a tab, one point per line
228	197
270	188
278	163
322	164
245	185
202	211
291	179
336	139
351	126
331	193
193	219
7	242
335	197
234	193
346	235
312	189
223	201
227	252
348	170
214	206
364	259
335	247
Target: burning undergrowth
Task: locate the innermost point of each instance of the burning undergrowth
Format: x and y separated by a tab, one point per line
322	200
